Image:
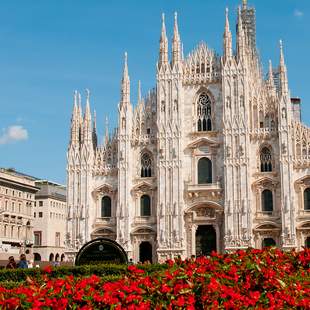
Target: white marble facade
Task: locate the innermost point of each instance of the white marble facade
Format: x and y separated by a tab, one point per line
214	157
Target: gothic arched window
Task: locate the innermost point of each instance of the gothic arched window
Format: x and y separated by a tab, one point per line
204	171
267	201
145	205
106	206
307	199
265	160
307	243
204	122
146	165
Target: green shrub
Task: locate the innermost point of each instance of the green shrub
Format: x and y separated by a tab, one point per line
103	270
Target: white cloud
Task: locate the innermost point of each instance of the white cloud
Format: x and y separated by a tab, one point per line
298	13
13	133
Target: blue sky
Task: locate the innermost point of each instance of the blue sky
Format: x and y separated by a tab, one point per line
50	48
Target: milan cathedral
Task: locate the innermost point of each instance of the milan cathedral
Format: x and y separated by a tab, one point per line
215	157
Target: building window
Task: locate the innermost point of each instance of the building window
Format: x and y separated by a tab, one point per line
40	203
37	237
307	243
106	206
146	165
265	160
204	113
307	199
34	214
267	201
267	242
40	214
204	171
148	131
57	239
145	205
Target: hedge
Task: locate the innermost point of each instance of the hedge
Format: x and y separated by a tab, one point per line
103	270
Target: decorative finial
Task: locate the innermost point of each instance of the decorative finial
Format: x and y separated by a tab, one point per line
175	16
87	94
163	17
244	3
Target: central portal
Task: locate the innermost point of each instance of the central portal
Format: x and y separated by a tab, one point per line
205	240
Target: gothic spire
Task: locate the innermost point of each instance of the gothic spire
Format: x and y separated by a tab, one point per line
95	140
106	140
240	37
79	110
95	121
176	42
163	44
75	121
227	38
87	119
87	115
244	4
283	72
270	77
139	92
125	88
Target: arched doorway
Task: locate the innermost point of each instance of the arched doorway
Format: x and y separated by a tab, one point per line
205	240
57	257
51	258
62	257
145	252
267	242
37	257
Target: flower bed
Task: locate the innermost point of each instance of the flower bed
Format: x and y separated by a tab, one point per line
268	279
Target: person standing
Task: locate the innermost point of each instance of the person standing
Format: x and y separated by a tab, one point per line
11	264
22	262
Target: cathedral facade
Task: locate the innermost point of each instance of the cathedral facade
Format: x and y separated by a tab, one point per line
215	157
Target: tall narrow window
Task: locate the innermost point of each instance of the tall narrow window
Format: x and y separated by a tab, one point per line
265	160
37	237
204	171
146	165
204	122
307	199
145	204
106	206
267	201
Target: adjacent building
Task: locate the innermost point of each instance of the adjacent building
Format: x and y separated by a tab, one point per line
17	199
49	218
215	157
